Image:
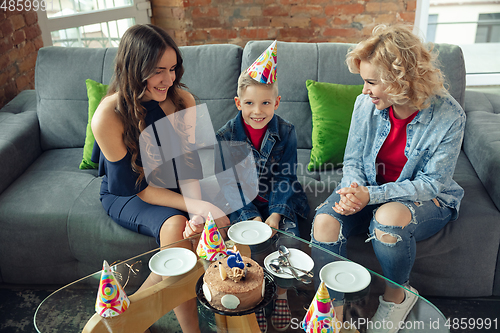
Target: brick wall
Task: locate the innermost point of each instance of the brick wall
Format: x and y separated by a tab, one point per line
195	22
20	39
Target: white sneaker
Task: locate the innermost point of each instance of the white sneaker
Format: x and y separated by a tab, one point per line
389	316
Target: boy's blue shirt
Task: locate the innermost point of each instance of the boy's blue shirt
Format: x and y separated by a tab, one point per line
276	164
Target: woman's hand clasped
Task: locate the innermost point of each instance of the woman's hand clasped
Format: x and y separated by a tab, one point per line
352	199
193	226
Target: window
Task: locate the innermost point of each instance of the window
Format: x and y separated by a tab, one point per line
473	25
431	27
488	28
104	34
90	23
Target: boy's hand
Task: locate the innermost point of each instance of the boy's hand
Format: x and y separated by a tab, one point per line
274	222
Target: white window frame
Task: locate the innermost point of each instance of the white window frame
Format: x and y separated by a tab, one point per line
140	10
420	28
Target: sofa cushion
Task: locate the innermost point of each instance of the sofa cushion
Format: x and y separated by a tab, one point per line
468	276
61	231
40	200
452	65
19	145
95	92
482	139
24	101
213	82
62	94
331	106
88	220
303	158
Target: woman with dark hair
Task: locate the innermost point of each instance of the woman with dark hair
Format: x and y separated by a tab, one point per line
155	201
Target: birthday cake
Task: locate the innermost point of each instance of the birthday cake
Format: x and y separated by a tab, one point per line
234	289
232	282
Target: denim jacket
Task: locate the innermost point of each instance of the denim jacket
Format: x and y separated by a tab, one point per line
275	163
434	139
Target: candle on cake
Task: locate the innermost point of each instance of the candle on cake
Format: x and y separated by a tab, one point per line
236	265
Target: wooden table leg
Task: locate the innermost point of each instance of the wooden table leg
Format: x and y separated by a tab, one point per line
243	324
221	322
237	324
149	305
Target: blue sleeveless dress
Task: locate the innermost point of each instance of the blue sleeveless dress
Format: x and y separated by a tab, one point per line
119	189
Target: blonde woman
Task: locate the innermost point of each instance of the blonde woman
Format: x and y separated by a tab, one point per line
403	144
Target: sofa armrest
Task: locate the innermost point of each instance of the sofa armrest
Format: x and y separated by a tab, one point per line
19	137
482	139
24	101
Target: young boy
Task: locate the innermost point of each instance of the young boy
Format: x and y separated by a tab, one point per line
273	142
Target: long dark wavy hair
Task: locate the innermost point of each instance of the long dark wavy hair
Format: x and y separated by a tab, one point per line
139	52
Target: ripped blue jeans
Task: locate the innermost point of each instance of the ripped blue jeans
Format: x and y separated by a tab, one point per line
396	259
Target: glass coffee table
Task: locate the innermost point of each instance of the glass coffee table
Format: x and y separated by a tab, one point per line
72	308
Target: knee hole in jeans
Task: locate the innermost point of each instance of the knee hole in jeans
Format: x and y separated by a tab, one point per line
385	237
393	214
327	228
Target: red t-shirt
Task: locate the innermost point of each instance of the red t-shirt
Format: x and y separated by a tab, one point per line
391	158
256	136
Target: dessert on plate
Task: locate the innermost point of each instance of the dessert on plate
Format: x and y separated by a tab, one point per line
234	283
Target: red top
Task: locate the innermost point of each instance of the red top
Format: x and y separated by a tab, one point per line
256	136
391	158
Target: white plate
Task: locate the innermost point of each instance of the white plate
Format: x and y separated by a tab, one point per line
345	276
249	232
172	261
297	259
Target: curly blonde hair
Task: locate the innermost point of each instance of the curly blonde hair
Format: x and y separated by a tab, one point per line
407	68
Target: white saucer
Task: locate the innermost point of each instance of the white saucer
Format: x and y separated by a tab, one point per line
297	259
249	232
172	261
345	276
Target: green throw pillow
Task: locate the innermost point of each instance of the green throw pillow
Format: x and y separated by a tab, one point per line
95	92
331	106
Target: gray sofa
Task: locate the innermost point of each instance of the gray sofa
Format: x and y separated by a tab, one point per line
54	230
